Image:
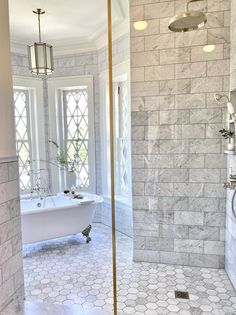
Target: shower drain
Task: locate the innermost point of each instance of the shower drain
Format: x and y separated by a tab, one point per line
181	295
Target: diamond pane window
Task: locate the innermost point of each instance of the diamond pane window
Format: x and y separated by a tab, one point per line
77	131
121	137
23	141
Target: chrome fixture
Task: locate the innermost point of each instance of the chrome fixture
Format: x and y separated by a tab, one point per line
40	54
220	97
188	20
231	184
40	191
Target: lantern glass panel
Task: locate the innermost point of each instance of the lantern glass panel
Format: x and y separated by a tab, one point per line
32	57
49	58
40	56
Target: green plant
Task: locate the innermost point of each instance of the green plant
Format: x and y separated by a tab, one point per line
66	161
227	134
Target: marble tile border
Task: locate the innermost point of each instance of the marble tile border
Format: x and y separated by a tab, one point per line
11	263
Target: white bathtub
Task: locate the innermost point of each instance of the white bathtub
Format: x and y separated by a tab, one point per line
57	216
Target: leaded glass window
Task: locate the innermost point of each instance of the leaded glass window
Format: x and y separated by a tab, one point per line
23	139
76	121
121	135
123	138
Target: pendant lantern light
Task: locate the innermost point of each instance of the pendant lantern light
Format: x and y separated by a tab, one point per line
40	54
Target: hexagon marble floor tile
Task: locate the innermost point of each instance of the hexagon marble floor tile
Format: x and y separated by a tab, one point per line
34	308
68	271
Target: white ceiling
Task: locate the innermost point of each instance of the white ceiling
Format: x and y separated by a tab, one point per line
69	25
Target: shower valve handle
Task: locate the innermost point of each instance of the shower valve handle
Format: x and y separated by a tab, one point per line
230	185
226	185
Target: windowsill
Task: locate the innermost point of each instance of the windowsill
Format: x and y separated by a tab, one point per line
28	196
120	200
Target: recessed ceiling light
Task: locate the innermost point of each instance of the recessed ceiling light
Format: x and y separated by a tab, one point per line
209	48
140	25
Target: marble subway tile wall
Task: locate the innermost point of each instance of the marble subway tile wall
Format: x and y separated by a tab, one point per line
230	245
121	52
177	152
20	65
11	264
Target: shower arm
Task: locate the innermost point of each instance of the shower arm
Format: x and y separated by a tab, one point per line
191	1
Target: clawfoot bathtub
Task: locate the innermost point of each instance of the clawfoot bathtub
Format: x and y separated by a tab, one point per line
57	216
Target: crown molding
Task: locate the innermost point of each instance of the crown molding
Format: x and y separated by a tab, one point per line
59	48
96	41
74	48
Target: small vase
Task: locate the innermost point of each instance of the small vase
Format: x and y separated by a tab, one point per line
70	179
231	144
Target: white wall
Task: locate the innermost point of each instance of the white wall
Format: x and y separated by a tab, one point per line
7	139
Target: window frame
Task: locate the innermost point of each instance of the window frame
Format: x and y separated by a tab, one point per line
119	133
120	73
34	86
56	86
28	132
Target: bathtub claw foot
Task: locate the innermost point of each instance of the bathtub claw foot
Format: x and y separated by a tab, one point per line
86	233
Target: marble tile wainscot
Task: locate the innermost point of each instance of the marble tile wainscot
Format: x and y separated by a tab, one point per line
11	263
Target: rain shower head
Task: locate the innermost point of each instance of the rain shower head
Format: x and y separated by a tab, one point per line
188	20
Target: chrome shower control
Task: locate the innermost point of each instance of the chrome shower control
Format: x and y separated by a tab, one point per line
230	185
226	185
232	177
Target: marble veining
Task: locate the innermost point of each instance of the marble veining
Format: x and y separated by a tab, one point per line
34	308
178	139
11	264
69	272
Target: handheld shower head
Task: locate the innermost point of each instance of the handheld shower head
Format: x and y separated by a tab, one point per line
219	97
230	108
